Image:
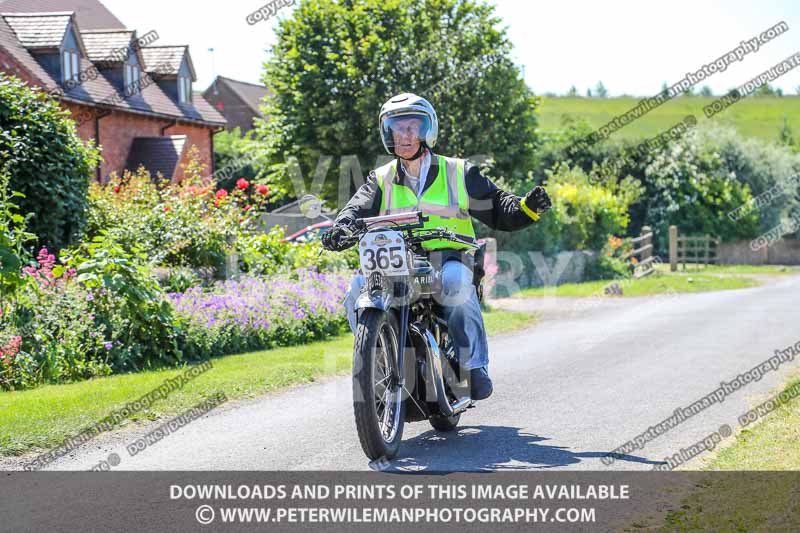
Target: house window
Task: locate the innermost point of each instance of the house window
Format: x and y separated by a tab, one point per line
71	66
184	90
132	79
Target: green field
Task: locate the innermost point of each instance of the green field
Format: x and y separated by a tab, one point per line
760	117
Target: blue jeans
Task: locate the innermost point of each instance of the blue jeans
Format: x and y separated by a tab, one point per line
460	308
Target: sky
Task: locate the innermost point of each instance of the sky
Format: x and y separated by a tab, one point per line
631	46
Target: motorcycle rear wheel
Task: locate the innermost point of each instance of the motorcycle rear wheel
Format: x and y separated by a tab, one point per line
379	409
444	423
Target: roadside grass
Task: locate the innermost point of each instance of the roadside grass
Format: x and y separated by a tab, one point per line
732	269
760	117
657	283
45	416
766	500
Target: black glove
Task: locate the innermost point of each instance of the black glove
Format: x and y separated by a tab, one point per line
537	200
334	238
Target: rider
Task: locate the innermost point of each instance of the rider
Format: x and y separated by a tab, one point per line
449	191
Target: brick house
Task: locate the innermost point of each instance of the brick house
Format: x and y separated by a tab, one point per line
129	93
238	101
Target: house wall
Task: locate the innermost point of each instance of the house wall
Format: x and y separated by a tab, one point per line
197	136
119	129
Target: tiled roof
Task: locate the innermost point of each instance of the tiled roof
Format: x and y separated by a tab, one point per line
159	155
106	45
39	30
91	14
100	92
250	93
10	43
166	59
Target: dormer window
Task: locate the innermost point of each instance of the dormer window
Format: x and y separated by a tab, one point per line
132	80
184	90
71	63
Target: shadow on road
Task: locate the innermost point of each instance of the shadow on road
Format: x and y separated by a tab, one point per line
489	449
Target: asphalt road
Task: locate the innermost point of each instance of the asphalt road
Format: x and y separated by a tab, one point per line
567	392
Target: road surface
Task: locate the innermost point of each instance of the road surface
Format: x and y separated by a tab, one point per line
567	391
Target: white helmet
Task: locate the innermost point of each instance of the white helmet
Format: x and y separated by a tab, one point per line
408	105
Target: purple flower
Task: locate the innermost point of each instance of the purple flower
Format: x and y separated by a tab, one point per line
108	345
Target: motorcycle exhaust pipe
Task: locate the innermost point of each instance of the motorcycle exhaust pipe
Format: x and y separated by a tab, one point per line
436	375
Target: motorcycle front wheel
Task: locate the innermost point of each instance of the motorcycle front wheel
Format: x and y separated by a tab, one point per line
377	401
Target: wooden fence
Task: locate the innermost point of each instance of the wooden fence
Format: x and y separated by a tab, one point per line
643	253
696	250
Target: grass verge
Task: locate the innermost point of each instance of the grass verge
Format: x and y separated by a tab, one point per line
656	283
762	498
46	416
733	269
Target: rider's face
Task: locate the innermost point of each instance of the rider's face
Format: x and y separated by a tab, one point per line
406	137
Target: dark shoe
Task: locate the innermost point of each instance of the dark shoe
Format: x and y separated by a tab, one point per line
480	383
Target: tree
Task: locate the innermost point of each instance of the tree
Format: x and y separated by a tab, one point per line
573	92
336	62
689	91
588	93
706	91
797	90
765	90
47	161
786	135
600	90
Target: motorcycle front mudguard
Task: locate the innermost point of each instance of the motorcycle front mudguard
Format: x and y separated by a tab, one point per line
376	299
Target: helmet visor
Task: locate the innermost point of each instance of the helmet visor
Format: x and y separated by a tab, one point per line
405	130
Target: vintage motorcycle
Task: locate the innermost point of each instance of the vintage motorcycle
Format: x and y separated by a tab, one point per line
399	306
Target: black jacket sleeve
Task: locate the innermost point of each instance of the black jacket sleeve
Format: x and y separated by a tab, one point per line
493	206
366	202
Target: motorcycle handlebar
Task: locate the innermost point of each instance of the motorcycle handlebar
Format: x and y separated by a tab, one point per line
358	229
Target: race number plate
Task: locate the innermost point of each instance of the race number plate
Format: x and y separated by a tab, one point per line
384	252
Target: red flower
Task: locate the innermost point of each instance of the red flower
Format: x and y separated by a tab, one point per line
262	189
242	184
116	189
167	209
222	193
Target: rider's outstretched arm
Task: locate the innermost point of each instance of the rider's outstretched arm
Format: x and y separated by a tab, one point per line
498	209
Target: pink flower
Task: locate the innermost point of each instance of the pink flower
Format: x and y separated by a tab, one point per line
222	193
242	184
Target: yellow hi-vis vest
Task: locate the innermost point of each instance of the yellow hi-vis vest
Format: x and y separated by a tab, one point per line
445	201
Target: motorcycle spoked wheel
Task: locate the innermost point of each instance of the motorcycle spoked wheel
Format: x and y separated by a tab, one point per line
441	422
379	409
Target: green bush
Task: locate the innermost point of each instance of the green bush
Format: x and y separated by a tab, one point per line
47	160
13	238
49	332
128	303
190	224
584	214
235	157
692	186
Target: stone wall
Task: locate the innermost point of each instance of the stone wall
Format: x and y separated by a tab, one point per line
783	252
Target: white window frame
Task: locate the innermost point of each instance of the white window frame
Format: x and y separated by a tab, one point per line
132	79
71	65
184	90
